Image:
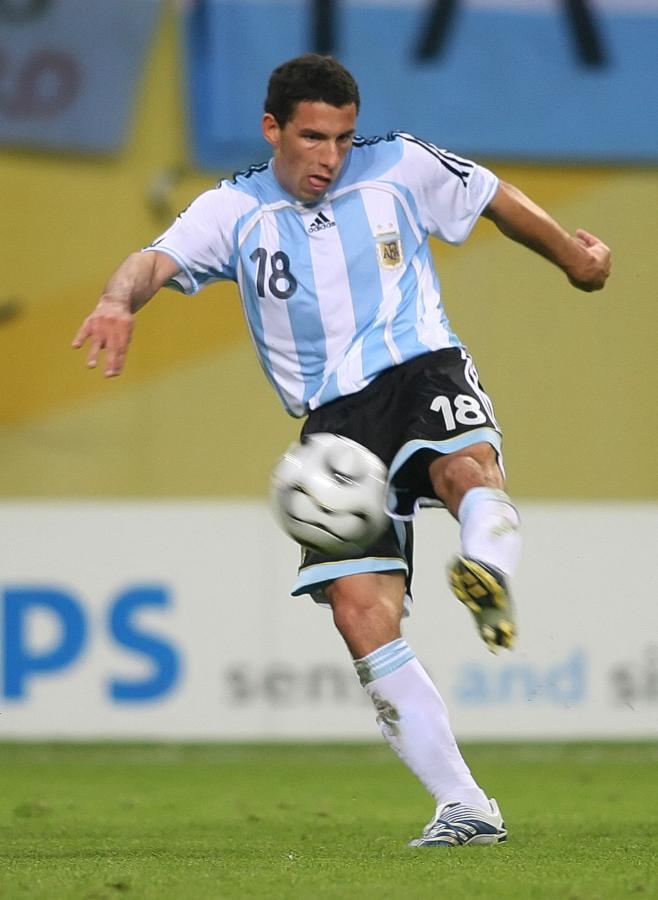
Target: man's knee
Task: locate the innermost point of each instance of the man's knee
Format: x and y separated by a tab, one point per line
455	473
367	609
459	470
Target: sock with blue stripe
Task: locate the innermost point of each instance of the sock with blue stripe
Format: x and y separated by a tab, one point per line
414	720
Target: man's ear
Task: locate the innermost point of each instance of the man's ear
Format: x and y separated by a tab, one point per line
271	129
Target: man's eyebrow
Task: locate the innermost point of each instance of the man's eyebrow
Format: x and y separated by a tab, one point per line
312	132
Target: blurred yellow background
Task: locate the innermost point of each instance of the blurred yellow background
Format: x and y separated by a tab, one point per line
572	375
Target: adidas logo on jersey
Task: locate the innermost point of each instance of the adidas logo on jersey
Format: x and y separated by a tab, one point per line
320	222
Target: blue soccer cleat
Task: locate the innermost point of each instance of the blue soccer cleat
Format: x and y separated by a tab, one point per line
456	825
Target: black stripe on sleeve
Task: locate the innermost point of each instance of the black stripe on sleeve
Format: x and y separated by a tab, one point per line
462	168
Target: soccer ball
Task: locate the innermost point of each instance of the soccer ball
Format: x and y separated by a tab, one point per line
328	493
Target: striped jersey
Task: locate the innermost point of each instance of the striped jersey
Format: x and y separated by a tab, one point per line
335	291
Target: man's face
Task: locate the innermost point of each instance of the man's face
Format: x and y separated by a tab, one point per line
310	148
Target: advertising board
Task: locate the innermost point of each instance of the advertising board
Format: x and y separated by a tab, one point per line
173	620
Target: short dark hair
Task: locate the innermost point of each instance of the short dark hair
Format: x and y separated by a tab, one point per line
309	77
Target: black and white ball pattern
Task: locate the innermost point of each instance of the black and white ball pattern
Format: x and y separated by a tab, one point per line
329	493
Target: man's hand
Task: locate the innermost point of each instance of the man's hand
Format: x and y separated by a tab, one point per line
109	327
594	260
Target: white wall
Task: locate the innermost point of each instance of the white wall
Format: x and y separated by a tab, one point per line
185	609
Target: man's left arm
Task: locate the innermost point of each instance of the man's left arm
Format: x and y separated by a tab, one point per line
583	258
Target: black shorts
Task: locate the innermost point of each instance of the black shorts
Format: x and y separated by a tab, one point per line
433	404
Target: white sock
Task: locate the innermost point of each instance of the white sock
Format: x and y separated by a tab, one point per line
414	720
490	528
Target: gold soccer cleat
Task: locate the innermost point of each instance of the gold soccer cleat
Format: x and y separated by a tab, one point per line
484	591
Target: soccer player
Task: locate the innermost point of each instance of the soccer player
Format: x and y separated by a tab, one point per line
328	243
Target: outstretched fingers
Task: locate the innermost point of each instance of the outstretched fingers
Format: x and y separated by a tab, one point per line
107	330
88	332
82	334
115	337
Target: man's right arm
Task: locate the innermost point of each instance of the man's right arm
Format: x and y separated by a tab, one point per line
110	325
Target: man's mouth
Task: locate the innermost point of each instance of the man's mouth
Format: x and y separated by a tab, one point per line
319	183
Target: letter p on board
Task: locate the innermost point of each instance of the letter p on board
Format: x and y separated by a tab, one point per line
22	660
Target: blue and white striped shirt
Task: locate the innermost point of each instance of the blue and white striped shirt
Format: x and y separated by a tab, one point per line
335	291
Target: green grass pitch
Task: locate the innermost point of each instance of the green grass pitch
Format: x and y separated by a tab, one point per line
300	822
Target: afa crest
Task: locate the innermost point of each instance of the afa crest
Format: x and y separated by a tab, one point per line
389	250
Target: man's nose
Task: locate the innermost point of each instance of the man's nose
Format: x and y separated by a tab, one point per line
330	155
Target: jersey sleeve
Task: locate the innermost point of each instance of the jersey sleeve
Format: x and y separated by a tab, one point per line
450	192
201	241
